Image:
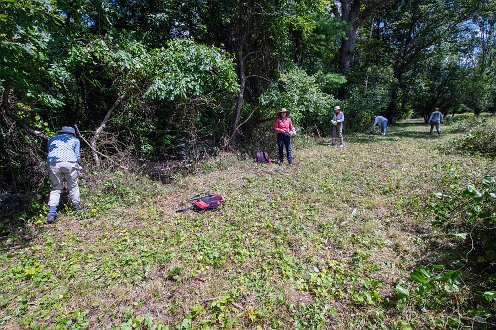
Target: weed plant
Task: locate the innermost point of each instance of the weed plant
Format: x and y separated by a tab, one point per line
467	214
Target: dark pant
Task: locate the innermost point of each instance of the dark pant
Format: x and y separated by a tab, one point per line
284	140
437	125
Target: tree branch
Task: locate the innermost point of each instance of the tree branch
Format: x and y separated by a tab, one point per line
100	128
257	76
244	122
6	110
96	151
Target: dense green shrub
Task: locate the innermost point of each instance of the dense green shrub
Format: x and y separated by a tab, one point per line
461	123
185	70
368	99
480	141
311	109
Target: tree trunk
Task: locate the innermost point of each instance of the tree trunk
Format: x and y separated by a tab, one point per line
349	14
240	100
5	106
393	103
5	97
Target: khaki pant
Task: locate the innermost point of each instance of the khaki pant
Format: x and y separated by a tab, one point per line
338	128
57	173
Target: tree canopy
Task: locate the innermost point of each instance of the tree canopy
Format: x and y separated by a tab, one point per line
151	79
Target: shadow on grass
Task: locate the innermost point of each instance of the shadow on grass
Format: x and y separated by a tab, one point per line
18	216
413	129
392	136
410	122
15	210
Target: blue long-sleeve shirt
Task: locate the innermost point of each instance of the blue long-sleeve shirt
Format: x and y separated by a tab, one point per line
63	148
436	117
379	120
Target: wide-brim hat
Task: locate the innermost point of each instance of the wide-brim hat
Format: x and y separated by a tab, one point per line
337	108
66	130
283	110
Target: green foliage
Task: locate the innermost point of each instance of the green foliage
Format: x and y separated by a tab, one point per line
169	95
320	47
430	46
369	98
480	141
463	123
186	70
476	214
301	94
329	82
115	65
66	63
144	322
26	88
441	84
24	46
436	287
466	213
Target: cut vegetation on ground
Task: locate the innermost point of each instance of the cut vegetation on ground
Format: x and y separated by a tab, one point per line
343	239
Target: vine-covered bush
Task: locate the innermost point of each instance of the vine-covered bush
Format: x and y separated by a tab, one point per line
480	141
467	215
462	123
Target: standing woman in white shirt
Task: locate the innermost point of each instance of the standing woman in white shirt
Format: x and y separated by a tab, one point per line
337	126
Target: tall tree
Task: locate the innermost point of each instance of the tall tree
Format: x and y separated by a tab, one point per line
413	31
354	13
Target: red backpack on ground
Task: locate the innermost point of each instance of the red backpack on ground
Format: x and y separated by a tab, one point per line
209	202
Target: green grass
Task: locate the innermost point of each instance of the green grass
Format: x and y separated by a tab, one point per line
321	244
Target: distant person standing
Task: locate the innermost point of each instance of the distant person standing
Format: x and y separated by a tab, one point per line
435	120
337	126
382	122
63	164
284	129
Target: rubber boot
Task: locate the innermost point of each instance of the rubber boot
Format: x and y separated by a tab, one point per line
52	214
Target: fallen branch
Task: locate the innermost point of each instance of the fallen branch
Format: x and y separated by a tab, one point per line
34	132
98	152
244	122
100	128
210	299
238	306
349	218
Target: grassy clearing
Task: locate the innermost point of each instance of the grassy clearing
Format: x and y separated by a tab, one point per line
322	244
